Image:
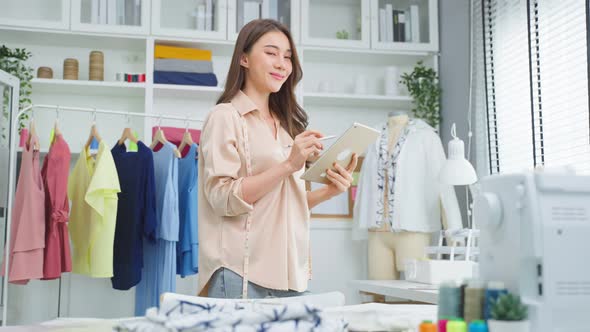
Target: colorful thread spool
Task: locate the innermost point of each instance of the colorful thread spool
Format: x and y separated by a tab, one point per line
474	301
449	300
442	325
494	290
478	326
456	326
427	326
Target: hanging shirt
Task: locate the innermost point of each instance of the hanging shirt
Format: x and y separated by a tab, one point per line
93	188
159	271
56	167
187	249
136	213
27	230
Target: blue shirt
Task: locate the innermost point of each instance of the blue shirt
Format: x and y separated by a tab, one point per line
187	249
159	272
136	213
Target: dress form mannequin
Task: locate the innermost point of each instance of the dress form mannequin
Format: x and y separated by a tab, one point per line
388	250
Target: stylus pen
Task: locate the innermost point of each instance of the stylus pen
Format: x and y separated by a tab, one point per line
319	139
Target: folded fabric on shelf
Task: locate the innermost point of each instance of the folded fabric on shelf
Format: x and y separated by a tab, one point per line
184	66
173	52
174	77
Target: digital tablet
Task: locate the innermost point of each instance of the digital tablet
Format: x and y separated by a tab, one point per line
355	139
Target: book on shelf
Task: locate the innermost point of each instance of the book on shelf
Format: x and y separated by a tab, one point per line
94	11
102	12
252	11
112	12
209	15
389	22
200	19
382	25
265	9
415	22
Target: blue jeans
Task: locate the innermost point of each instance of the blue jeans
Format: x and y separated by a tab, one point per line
227	284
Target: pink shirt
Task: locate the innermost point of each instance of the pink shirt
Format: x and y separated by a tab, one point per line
27	230
57	209
267	243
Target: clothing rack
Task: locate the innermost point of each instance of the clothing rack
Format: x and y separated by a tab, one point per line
12	170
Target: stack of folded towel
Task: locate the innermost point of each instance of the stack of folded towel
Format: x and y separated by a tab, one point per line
184	66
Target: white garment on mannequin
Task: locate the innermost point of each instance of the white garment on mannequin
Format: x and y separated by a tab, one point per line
387	251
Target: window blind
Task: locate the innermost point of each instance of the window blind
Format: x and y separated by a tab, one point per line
510	132
536	84
560	83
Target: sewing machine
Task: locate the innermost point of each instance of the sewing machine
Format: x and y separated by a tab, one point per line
535	237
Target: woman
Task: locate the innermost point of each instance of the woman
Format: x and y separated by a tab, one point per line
253	206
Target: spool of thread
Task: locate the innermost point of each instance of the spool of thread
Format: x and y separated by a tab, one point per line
493	291
478	326
449	298
44	72
96	66
473	301
427	326
456	326
442	325
70	69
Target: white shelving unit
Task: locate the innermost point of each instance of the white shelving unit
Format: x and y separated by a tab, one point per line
57	29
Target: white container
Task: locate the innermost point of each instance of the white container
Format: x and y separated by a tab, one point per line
360	85
392	81
509	326
435	271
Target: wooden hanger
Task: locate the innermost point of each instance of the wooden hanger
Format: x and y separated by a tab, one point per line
159	137
33	133
127	134
187	138
93	133
56	130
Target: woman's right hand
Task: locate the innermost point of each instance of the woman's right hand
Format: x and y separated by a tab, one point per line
305	145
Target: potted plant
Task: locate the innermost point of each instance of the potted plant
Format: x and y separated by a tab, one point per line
509	315
13	61
422	84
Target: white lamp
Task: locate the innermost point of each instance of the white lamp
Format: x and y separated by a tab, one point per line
457	170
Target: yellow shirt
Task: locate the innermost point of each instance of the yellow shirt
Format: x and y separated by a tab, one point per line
278	240
92	187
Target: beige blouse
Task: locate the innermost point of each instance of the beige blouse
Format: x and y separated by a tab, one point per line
266	243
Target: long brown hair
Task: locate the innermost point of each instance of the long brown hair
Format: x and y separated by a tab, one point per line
283	103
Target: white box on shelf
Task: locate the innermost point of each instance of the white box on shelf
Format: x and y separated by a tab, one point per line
120	12
437	271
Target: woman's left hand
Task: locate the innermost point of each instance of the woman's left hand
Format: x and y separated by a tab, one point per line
342	179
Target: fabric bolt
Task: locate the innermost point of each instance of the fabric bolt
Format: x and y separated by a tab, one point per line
93	187
136	213
27	229
185	66
187	249
278	242
183	53
208	315
159	270
180	78
418	193
56	167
